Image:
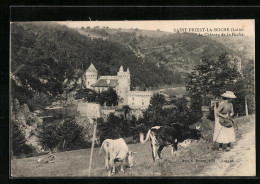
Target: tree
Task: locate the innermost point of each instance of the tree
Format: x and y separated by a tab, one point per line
71	135
110	97
156	115
214	77
195	109
18	141
48	135
153	115
187	114
66	135
126	109
169	116
117	127
110	129
176	111
249	79
87	94
100	99
156	102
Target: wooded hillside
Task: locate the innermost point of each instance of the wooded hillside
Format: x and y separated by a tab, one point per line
43	55
178	52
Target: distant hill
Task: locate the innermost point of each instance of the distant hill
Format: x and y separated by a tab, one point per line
243	44
106	32
178	52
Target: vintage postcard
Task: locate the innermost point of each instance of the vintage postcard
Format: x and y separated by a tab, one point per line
132	98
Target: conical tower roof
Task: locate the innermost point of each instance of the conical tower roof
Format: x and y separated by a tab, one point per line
121	69
91	68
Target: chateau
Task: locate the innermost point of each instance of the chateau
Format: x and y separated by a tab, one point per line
121	84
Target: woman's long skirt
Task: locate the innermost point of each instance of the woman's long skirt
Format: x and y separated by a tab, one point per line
223	134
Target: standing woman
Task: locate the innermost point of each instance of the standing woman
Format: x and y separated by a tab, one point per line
224	134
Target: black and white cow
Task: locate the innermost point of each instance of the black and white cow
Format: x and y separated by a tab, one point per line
163	136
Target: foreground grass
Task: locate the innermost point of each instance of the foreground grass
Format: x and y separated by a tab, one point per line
189	161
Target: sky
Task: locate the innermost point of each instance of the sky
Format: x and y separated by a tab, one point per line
246	26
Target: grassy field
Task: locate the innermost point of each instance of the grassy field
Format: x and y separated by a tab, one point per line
176	91
189	161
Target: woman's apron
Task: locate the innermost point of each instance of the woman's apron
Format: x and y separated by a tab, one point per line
222	134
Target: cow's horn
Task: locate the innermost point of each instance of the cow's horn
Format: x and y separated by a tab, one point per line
198	127
134	152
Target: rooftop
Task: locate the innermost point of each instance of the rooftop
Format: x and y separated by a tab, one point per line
91	68
105	83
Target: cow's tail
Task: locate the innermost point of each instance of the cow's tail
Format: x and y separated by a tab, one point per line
147	137
103	147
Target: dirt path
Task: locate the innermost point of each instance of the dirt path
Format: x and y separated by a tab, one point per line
240	161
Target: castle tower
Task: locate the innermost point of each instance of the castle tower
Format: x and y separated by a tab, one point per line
91	76
123	84
121	69
238	64
128	77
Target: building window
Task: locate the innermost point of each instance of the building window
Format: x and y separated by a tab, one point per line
88	83
133	98
142	103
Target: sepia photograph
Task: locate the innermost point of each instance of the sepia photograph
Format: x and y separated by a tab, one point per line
150	98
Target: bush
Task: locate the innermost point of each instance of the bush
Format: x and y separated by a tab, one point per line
110	129
86	94
66	135
48	135
18	142
109	96
195	109
71	135
211	115
116	127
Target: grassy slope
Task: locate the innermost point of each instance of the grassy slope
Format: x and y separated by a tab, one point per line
75	163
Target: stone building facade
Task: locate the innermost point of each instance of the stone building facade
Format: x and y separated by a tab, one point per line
121	84
139	99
